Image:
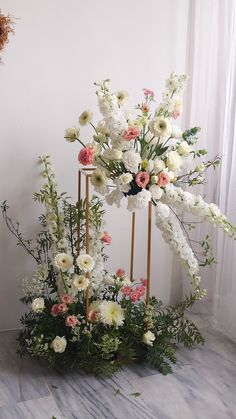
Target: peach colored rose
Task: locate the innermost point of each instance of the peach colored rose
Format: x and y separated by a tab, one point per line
106	238
163	179
131	133
71	321
142	179
120	273
62	308
86	156
54	310
65	298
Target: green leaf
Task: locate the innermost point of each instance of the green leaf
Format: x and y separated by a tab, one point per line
136	394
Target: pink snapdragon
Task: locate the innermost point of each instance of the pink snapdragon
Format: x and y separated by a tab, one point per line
163	179
142	179
86	156
71	321
120	273
65	298
148	92
131	133
106	238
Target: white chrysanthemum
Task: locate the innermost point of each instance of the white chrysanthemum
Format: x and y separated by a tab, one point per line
160	127
156	191
184	149
80	282
59	344
122	97
38	305
85	117
112	154
131	160
114	197
174	161
63	261
85	262
149	338
139	201
159	165
99	181
112	313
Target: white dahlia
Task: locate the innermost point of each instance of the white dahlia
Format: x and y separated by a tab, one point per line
63	261
149	338
38	305
85	262
59	344
112	313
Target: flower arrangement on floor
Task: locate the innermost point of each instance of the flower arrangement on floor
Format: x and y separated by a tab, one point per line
121	327
144	158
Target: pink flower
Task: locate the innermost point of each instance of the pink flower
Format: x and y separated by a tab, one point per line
126	290
142	179
163	179
120	273
175	114
71	321
106	238
86	156
65	298
143	281
148	92
141	290
134	296
92	315
131	133
62	308
145	108
54	310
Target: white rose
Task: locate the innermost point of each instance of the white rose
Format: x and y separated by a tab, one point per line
125	178
174	160
85	262
59	344
184	149
38	305
149	338
159	165
113	154
156	191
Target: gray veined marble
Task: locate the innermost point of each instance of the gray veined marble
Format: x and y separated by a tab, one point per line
203	386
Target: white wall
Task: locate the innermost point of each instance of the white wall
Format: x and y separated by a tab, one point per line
59	49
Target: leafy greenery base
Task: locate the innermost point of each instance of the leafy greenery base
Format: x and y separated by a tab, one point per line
103	350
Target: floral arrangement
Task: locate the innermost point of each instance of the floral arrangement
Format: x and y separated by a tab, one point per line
6	27
120	327
146	158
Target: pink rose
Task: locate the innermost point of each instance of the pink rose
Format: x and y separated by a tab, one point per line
120	273
65	298
163	179
148	92
106	238
86	156
71	321
126	290
142	179
131	133
62	308
143	281
175	114
134	296
92	315
54	310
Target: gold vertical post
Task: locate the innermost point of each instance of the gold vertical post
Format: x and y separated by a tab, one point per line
87	244
149	238
132	248
78	219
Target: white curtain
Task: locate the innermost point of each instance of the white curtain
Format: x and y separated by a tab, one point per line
211	103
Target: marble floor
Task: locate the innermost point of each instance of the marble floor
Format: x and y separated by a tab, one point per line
203	386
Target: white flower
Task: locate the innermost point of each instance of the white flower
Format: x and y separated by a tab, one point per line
112	313
160	127
38	305
63	261
85	262
177	104
112	154
109	280
71	134
184	149
122	97
200	168
85	117
156	191
154	179
176	132
139	201
102	128
149	338
63	244
99	181
159	165
114	197
59	344
131	160
123	182
174	161
162	210
150	166
80	282
97	148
